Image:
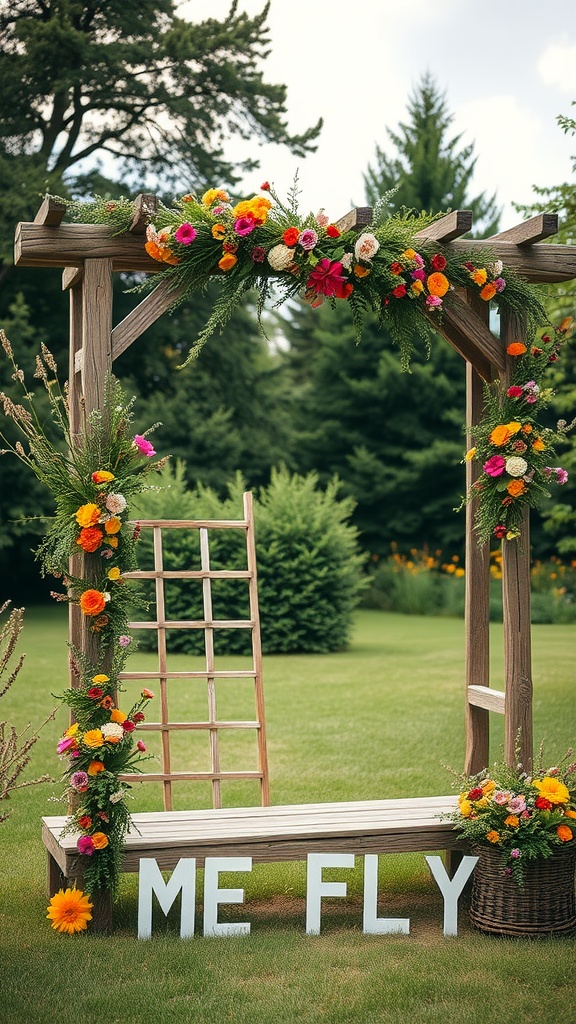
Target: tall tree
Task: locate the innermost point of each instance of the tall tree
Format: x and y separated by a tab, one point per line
136	82
431	171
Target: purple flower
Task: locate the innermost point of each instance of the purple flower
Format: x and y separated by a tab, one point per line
144	446
258	254
185	234
79	781
507	871
85	846
124	641
308	239
499	284
561	475
517	804
515	853
244	225
495	466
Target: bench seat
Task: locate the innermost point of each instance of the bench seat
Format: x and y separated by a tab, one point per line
274	833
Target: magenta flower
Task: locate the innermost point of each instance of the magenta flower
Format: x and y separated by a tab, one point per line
141	746
515	853
499	284
326	278
65	744
433	301
144	446
495	466
258	254
561	475
307	239
244	225
515	391
85	846
128	725
185	234
418	275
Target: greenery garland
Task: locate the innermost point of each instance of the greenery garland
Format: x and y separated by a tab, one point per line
91	477
262	242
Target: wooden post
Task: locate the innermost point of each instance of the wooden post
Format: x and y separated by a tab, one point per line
517	628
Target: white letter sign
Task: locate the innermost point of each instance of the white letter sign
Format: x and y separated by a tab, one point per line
183	878
213	896
451	888
374	925
316	888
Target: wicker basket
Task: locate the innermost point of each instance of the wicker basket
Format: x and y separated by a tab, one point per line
544	905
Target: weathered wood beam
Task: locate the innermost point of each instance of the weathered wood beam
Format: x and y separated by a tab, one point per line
487	699
39	246
465	330
453	225
143	316
51	213
357	218
530	231
145	206
539	264
71	276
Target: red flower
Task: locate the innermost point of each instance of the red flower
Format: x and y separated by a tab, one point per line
499	531
95	693
542	803
139	717
438	262
327	278
128	726
332	231
396	268
229	247
85	821
515	391
265	187
290	237
475	793
90	538
399	292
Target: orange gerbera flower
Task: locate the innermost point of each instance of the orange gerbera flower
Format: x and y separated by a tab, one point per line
504	431
437	284
564	833
516	348
95	767
100	840
228	261
92	602
516	488
488	292
69	911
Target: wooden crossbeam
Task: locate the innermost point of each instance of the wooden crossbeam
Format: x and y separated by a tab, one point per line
468	334
71	276
51	213
357	218
37	245
143	316
145	206
538	264
530	231
453	225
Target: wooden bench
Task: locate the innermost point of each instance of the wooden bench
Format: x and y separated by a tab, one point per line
267	833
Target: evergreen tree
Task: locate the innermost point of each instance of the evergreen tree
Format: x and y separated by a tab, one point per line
430	170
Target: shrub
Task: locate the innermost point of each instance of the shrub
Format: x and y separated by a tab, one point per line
309	565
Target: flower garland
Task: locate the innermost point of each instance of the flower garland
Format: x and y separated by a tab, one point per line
92	478
516	451
258	242
524	815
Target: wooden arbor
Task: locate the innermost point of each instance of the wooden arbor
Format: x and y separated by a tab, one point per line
90	255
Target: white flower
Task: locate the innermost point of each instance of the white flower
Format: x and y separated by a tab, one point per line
112	731
116	797
346	260
516	466
322	219
115	503
280	257
366	247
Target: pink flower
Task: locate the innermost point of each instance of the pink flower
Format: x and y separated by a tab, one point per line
500	531
501	797
85	846
147	693
326	278
79	781
322	220
515	391
307	239
144	446
499	284
124	641
65	744
141	746
495	466
516	804
515	854
561	475
185	234
433	301
418	275
244	225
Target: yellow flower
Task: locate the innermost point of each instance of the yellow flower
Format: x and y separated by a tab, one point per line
512	821
417	287
479	276
552	790
488	787
95	767
112	541
465	808
88	515
101	678
72	730
538	445
408	254
470	454
258	207
114	573
69	911
112	525
218	232
117	716
213	194
93	738
493	837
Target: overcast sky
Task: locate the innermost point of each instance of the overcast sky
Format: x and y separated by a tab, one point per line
508	68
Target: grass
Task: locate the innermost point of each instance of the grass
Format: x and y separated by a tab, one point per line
377	721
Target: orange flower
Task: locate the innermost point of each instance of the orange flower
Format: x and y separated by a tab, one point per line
570	814
117	716
213	194
361	271
112	525
512	821
527	428
479	276
161	253
516	488
564	833
493	837
107	703
228	261
437	284
88	515
95	767
488	292
100	840
102	476
112	541
417	287
516	348
90	538
93	738
258	207
218	232
504	431
92	602
538	445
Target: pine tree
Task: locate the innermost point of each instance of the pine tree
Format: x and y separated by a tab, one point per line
430	170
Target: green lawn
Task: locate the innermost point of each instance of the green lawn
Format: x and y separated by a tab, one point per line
377	721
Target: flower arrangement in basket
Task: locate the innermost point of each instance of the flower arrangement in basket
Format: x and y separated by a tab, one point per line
511	443
523	815
92	478
390	268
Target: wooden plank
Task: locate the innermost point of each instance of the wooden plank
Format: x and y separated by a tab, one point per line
453	225
51	213
491	700
96	327
256	646
231	674
71	276
359	217
193	624
143	316
545	263
145	206
467	332
37	245
530	231
213	724
188	574
193	524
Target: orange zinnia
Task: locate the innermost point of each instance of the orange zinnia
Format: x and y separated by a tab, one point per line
88	515
488	292
92	602
516	348
437	284
228	261
95	767
503	432
90	538
516	488
538	445
564	833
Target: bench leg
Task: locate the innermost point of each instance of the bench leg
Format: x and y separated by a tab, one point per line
101	922
54	877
